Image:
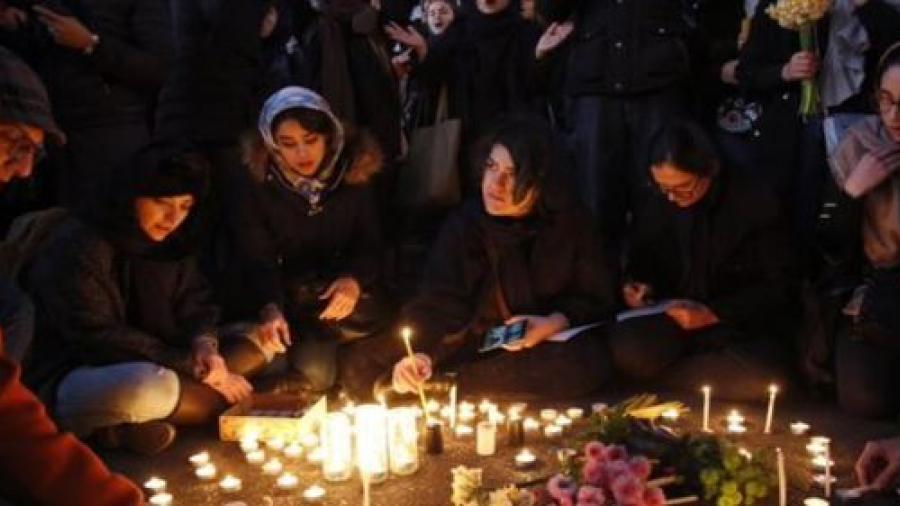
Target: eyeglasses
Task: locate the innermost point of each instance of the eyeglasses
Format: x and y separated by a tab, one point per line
886	102
20	146
685	190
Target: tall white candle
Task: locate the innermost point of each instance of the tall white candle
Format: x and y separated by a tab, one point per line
453	406
367	488
773	392
707	390
486	439
782	479
828	464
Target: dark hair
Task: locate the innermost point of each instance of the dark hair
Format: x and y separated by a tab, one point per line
529	142
685	145
888	60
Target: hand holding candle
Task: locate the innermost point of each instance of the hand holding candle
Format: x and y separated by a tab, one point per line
412	374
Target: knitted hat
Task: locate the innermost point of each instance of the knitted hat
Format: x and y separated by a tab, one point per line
23	97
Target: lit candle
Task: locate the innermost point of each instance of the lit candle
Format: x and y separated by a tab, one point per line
552	431
820	480
453	393
155	484
314	494
517	408
275	443
161	499
671	415
230	483
599	407
446	412
337	447
707	391
486	406
525	459
287	481
548	415
828	464
349	408
486	439
575	413
466	406
372	441
249	444
316	456
433	406
530	424
782	479
406	334
463	431
309	440
206	472
773	392
403	439
199	459
256	457
563	421
466	416
736	422
822	461
815	501
293	451
272	467
816	448
799	428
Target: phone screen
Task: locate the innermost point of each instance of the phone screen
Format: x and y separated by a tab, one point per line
502	335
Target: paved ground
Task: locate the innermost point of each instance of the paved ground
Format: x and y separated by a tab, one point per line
431	484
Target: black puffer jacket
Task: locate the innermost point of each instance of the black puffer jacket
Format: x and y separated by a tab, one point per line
105	298
623	47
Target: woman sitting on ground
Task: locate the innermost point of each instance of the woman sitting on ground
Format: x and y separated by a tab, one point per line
129	341
866	166
712	251
309	234
522	250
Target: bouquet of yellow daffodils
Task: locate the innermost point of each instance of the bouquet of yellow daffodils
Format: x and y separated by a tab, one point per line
802	16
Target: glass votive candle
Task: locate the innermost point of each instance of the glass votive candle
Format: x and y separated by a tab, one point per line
293	451
486	406
287	481
249	444
525	459
670	415
549	415
464	431
314	494
486	439
272	467
275	443
575	413
815	501
337	447
821	462
309	440
530	424
371	441
403	441
199	459
466	416
230	483
799	428
563	421
316	456
161	499
552	431
433	406
155	484
206	472
820	479
256	457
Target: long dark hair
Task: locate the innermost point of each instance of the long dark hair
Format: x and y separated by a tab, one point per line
685	145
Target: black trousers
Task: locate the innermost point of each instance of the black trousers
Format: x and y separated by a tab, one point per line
868	376
741	367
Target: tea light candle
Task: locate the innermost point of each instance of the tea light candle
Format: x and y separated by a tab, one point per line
161	499
293	451
530	424
820	479
272	467
463	430
230	484
466	416
820	440
563	421
799	428
287	481
275	443
316	456
496	417
206	472
249	444
525	459
155	484
671	415
814	501
446	412
548	415
575	413
466	406
486	406
309	440
256	457
433	406
314	494
599	407
552	431
736	422
199	459
486	439
821	462
516	409
815	449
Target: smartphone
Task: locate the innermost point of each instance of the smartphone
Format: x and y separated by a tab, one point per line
497	337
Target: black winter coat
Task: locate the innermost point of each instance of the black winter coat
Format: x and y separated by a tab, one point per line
105	301
623	47
730	251
551	262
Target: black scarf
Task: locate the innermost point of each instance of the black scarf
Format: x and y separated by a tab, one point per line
510	246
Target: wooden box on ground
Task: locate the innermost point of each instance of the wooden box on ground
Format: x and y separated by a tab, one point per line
266	416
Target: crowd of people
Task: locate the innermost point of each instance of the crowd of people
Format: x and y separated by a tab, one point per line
224	206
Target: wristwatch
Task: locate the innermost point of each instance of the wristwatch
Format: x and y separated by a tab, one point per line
95	40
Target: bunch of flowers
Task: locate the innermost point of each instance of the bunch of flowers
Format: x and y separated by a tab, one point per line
608	477
802	16
467	490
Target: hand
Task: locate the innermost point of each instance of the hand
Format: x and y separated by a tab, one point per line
11	18
66	31
409	375
401	63
802	65
408	36
538	330
636	294
233	387
879	464
268	23
691	315
208	364
273	329
344	294
553	37
728	73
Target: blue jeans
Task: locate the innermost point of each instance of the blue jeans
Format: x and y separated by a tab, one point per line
89	398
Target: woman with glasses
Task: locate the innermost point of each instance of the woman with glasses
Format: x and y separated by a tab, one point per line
865	166
710	262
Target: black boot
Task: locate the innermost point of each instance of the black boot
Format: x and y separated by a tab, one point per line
148	438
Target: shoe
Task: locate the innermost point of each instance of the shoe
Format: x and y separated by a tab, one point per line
147	439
